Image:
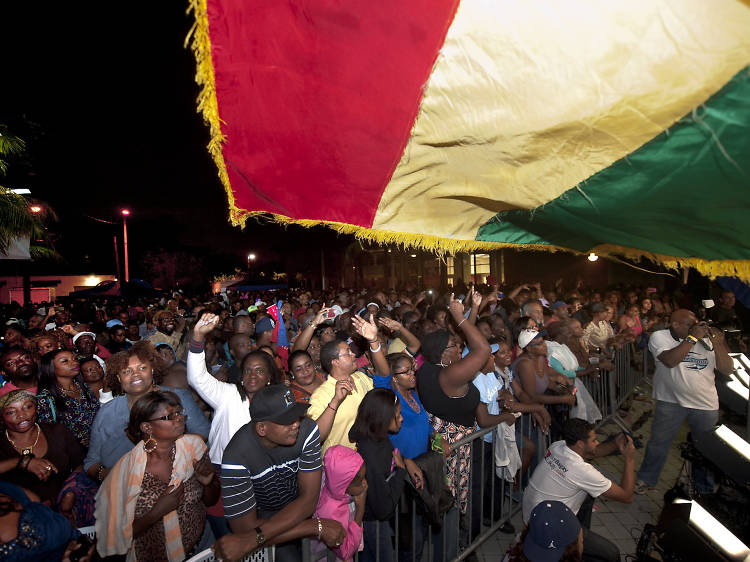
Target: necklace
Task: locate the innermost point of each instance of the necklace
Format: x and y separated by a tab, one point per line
25	450
70	392
410	400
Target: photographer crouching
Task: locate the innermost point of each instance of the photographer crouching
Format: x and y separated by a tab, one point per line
686	355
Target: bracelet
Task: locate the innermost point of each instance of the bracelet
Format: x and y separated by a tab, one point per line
99	472
320	527
376	349
329	406
461	322
692	339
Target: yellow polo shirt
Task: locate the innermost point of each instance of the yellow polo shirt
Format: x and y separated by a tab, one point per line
346	413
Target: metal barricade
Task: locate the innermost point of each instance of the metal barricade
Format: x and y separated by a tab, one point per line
491	502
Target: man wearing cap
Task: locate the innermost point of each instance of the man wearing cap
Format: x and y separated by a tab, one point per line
84	344
553	532
565	476
270	480
559	312
169	329
20	369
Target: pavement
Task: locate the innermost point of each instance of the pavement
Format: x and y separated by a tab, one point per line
621	523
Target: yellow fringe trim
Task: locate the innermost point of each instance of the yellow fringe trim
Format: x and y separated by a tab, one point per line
709	268
208	106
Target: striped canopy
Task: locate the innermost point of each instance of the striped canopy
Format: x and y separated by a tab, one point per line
620	127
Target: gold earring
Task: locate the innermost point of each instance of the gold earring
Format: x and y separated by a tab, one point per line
150	445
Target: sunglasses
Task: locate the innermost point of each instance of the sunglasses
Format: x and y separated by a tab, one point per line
172	416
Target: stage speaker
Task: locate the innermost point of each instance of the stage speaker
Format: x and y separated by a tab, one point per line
729	452
688	532
733	393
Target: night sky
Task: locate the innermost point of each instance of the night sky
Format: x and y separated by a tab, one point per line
104	95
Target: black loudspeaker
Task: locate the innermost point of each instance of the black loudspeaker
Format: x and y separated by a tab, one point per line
729	452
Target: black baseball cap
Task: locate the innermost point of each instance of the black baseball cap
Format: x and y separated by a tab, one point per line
276	403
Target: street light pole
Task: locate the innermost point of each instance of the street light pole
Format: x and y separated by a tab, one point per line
125	213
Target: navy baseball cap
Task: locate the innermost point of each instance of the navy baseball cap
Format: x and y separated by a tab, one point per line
552	527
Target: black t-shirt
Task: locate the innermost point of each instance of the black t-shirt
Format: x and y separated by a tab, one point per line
461	411
253	476
726	319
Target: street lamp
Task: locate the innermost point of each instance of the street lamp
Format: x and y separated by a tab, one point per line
125	214
36	209
250	258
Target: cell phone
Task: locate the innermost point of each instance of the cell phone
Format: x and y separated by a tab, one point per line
624	428
84	544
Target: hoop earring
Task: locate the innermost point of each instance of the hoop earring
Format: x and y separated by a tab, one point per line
150	445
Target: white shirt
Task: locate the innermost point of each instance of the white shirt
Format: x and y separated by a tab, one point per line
231	412
488	387
563	476
691	383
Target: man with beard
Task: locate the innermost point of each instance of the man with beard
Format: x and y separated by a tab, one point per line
20	369
169	329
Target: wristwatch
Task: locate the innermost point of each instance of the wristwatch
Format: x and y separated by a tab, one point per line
692	339
260	538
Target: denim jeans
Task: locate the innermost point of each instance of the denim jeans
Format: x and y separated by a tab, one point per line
668	418
378	541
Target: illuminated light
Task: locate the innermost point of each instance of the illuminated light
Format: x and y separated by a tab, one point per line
251	256
414	255
21	191
92	280
593	257
35	209
714	531
734	441
125	212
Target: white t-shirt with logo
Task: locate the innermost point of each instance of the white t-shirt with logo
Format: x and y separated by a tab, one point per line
691	383
565	477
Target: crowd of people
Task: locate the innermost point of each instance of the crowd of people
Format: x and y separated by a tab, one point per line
235	422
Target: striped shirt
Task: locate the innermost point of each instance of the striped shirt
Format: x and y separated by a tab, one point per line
254	477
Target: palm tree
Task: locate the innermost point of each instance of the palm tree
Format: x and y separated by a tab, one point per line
16	218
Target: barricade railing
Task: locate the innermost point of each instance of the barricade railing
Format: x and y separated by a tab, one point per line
490	503
612	388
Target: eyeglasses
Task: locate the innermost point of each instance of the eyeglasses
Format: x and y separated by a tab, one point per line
409	370
172	416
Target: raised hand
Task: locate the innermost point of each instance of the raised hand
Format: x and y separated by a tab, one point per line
392	325
205	326
367	330
456	309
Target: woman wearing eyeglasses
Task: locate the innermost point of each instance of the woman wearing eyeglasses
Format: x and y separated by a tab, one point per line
131	375
152	506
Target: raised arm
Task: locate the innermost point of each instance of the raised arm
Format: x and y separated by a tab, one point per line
303	340
476	302
212	390
412	342
464	370
369	331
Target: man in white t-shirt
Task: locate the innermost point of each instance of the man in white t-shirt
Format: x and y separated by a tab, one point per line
566	477
686	355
